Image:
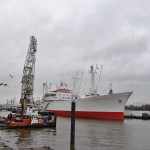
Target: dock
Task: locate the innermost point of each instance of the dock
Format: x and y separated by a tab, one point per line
144	116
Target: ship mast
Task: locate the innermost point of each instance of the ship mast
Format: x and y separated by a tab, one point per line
74	95
29	73
93	91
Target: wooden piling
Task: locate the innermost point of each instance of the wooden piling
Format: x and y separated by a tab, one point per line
73	107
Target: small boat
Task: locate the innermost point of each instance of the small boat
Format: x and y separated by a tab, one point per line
28	121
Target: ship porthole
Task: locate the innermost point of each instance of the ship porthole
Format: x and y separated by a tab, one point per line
120	101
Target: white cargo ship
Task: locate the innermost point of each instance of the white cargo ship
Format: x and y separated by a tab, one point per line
93	105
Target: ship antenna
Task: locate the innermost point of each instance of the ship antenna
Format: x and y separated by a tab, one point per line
80	83
92	79
44	84
110	90
62	79
99	77
74	86
46	87
92	72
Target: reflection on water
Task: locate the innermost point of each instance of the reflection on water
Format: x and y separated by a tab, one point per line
27	138
72	147
89	135
24	138
102	133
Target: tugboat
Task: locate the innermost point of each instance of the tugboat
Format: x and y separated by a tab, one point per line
31	119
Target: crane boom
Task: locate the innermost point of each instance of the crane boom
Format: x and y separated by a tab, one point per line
29	72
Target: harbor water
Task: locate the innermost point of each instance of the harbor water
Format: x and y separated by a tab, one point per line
90	134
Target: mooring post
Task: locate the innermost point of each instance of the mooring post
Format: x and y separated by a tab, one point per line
73	107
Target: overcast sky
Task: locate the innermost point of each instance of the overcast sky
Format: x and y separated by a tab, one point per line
71	36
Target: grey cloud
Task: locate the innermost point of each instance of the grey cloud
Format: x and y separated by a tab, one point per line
71	36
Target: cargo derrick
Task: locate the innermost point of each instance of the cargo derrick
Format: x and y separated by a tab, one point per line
28	74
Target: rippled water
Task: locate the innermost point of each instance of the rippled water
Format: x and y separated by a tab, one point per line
89	135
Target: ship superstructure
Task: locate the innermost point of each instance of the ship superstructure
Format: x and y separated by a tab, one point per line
61	93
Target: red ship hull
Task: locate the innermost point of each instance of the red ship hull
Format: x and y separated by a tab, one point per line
98	115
